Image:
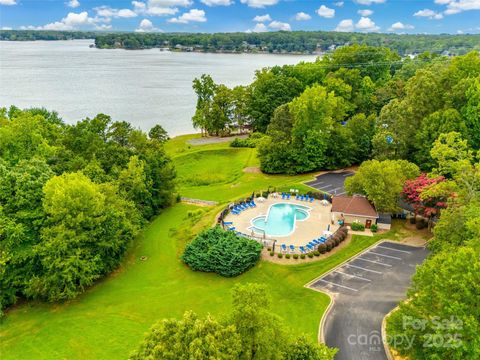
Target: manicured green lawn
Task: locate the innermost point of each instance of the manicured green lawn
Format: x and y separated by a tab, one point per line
109	320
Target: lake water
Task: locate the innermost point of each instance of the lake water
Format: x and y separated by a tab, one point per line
142	87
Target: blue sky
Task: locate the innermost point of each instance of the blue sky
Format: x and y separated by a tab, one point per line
400	16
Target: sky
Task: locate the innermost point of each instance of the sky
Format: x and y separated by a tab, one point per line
396	16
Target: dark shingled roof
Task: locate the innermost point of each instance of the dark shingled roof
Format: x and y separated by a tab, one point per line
353	205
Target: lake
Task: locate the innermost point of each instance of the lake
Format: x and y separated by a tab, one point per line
144	87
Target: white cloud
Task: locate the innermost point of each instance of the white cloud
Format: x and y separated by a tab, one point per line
73	4
108	12
6	28
369	2
159	7
339	3
278	25
194	15
74	21
365	12
146	26
8	2
301	16
457	6
262	18
428	13
345	26
217	2
366	24
400	26
325	12
259	28
443	2
259	3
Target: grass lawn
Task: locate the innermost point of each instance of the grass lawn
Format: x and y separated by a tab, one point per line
109	320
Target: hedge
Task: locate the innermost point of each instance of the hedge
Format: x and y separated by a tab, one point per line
222	252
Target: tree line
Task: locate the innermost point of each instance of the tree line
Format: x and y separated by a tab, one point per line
72	198
269	42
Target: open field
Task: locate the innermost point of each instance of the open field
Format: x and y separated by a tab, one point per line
109	320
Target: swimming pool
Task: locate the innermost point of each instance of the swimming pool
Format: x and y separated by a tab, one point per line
280	219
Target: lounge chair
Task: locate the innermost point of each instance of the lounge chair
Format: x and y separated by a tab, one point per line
284	247
316	242
253	204
302	249
233	228
288	196
235	212
310	247
283	196
292	248
228	223
312	198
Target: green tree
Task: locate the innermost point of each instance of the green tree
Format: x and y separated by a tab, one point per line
88	228
382	182
158	133
471	113
444	299
451	155
191	338
205	90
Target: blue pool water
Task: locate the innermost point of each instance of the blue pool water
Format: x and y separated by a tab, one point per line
280	220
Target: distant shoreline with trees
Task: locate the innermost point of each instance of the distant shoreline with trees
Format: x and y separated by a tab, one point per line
280	42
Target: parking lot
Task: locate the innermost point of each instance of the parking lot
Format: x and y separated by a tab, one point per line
365	289
331	182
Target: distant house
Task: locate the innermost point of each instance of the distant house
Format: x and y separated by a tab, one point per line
353	209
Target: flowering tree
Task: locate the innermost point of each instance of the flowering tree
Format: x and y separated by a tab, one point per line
419	193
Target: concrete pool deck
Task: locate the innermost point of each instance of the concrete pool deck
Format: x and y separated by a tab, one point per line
305	230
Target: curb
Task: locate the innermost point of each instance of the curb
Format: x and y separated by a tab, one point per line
384	334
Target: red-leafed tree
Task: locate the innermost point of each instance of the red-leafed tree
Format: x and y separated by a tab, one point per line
427	206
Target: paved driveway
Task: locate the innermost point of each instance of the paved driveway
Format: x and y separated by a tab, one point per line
331	182
365	289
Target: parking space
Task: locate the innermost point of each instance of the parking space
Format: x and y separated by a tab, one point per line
332	182
365	289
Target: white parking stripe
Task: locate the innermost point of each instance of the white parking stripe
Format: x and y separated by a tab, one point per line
336	189
370	270
346	287
387	256
324	187
374	262
389	248
355	276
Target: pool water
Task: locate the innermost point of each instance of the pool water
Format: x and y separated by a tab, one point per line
280	219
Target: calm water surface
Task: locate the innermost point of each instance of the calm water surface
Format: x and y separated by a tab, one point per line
142	87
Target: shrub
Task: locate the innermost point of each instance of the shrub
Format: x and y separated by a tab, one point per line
374	228
302	256
330	244
272	253
337	240
420	224
322	248
280	255
316	253
269	249
287	256
249	142
357	226
222	252
310	255
295	256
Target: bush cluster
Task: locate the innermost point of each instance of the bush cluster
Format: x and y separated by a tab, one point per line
357	226
250	142
374	228
222	252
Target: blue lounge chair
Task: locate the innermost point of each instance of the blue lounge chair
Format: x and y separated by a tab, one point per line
323	239
316	242
234	212
283	196
288	196
228	223
233	228
312	198
292	248
310	247
296	197
284	247
302	249
253	204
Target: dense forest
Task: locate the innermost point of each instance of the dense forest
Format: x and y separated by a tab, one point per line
72	198
268	42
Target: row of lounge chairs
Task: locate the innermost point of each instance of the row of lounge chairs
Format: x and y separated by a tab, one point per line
237	209
311	246
305	197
